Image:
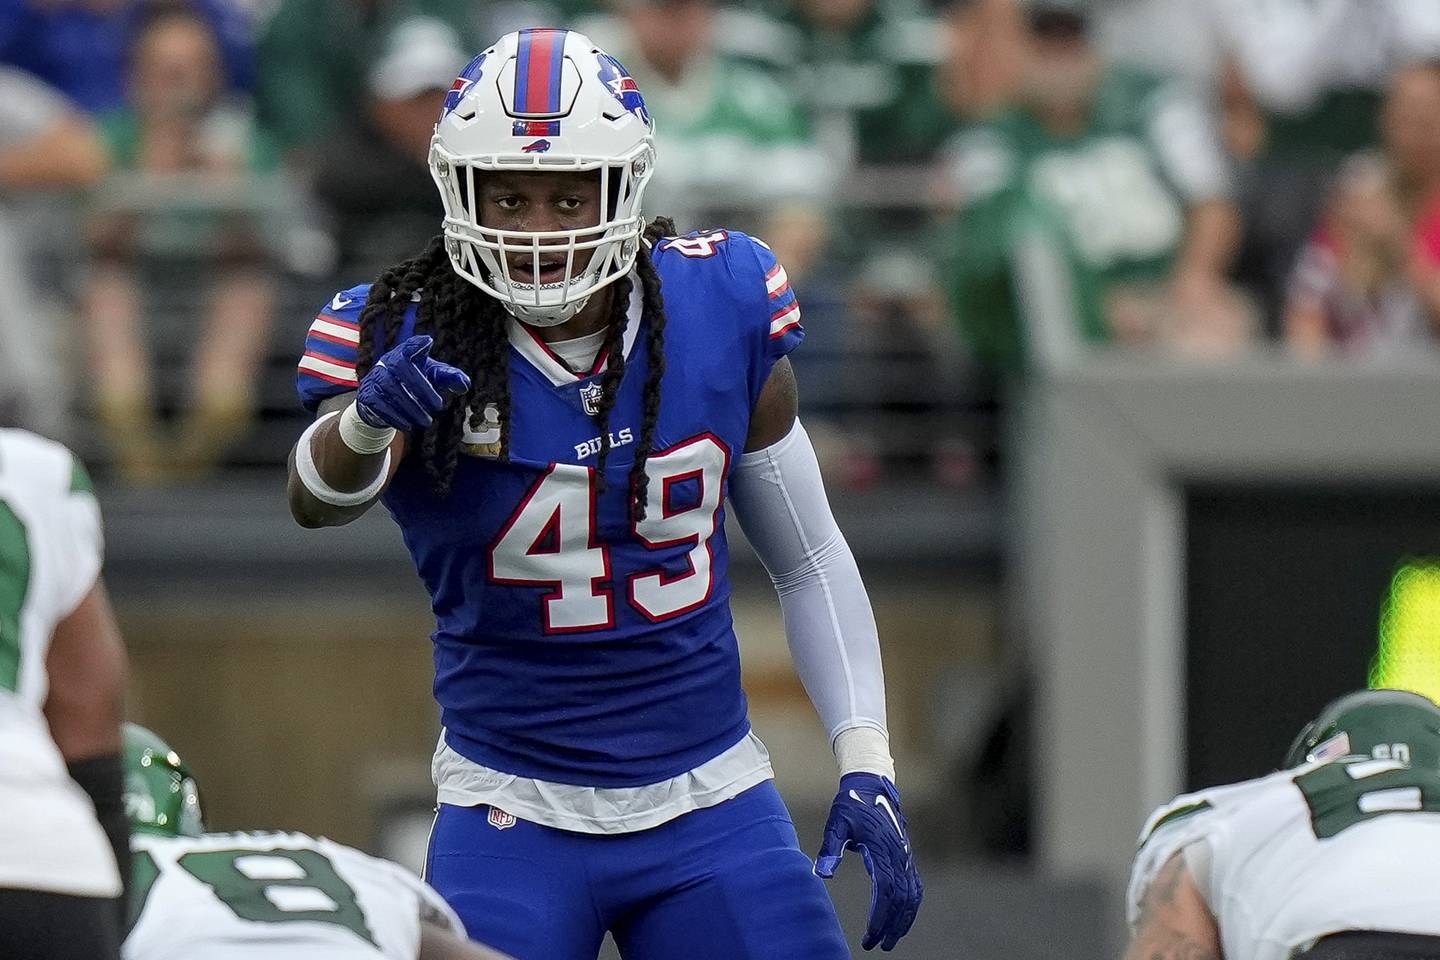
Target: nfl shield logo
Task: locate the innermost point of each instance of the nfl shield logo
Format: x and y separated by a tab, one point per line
501	820
590	397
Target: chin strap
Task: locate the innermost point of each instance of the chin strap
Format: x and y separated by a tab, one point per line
540	317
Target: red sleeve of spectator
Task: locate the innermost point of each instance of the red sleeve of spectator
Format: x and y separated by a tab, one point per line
1427	235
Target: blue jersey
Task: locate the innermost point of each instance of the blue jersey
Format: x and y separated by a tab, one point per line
573	645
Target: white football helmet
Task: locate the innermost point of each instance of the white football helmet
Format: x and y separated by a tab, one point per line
544	100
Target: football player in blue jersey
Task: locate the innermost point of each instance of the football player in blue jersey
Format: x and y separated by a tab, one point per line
554	401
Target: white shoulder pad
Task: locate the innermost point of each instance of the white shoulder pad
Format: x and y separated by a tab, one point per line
1186	820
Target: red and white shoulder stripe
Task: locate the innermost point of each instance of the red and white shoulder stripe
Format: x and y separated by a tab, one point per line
784	320
332	346
335	330
785	315
326	369
777	284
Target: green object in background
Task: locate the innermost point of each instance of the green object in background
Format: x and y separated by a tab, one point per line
880	72
303	94
1408	655
1343	122
1049	224
1107	182
723	102
1011	265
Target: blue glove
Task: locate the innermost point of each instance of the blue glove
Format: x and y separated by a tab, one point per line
405	388
866	817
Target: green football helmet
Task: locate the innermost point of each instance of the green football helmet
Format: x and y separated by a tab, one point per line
160	792
1388	724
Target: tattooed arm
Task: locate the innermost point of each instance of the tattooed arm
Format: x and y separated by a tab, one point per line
1175	923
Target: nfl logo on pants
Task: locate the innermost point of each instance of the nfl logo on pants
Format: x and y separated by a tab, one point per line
501	820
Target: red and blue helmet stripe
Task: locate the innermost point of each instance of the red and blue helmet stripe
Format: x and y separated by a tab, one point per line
537	72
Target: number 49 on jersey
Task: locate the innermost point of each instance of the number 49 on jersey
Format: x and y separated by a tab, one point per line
551	539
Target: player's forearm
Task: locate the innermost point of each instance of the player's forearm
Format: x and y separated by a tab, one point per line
337	474
1174	922
86	666
780	501
342	467
1167	944
103	780
836	649
85	707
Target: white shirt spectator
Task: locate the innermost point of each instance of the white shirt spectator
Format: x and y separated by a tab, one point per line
1291	52
30	379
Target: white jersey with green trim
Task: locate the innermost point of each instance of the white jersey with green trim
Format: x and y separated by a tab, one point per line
1348	844
50	549
274	895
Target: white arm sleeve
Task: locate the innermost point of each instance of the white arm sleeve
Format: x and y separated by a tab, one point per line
779	499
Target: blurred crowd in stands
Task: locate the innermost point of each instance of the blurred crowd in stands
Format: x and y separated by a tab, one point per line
962	188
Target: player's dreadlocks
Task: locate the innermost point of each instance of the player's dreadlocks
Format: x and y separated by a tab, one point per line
470	331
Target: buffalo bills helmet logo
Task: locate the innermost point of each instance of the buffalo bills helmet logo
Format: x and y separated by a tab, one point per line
623	87
539	146
462	85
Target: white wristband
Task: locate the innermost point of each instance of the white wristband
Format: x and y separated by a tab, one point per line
360	436
864	750
309	473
